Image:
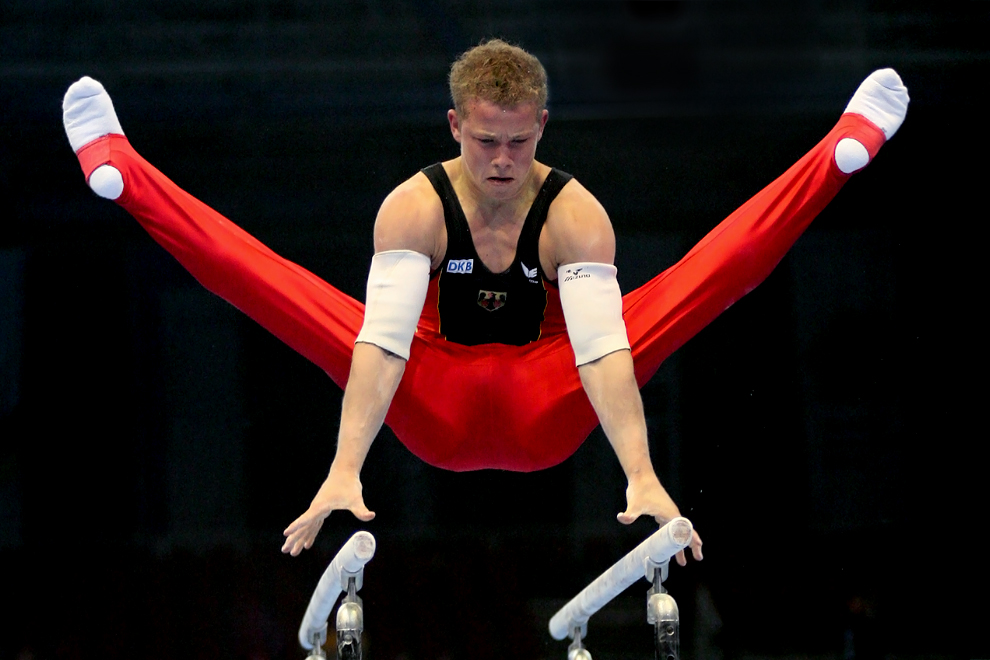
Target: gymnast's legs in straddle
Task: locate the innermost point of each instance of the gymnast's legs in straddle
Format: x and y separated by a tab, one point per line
299	308
321	323
742	250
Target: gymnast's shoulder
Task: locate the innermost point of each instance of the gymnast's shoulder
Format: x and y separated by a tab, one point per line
578	228
411	218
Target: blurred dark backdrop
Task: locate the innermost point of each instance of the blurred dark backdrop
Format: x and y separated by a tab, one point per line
822	434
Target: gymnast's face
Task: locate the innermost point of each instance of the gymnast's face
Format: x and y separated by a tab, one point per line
498	145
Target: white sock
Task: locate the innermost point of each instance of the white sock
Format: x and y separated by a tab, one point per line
883	99
88	114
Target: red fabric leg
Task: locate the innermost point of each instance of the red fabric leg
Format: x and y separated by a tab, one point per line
739	253
299	308
490	406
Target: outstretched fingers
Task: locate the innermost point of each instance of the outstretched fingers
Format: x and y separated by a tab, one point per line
630	515
695	547
301	534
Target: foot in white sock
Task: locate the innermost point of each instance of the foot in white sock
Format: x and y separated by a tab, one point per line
88	114
883	99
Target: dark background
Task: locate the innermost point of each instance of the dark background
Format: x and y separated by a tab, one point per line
823	434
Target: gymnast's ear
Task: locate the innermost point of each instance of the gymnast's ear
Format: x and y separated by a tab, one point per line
455	124
543	117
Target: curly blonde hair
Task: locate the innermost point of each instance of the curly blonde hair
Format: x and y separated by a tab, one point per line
498	72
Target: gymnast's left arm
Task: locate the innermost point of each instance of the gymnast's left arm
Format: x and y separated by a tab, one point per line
581	243
611	386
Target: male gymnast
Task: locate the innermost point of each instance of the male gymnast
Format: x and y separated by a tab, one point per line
494	334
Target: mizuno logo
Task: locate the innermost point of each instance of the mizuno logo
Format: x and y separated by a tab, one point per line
575	274
529	272
461	266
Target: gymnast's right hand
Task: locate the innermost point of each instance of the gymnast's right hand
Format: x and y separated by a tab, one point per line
341	490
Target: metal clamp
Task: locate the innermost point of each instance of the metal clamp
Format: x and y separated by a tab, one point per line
350	621
318	639
650	567
576	650
662	612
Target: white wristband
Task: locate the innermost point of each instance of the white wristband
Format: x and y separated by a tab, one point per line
397	284
592	303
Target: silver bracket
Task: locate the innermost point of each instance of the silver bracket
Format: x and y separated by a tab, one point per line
650	567
576	650
345	578
350	622
662	612
318	639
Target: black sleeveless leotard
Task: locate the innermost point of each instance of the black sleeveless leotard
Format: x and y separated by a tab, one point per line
477	306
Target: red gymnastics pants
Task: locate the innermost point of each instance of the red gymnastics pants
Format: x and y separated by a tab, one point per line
490	406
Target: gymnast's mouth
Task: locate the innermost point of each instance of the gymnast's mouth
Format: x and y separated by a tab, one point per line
500	179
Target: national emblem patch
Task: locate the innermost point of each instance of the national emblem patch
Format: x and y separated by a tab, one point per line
491	300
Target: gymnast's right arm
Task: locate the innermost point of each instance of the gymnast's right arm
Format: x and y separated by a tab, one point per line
408	235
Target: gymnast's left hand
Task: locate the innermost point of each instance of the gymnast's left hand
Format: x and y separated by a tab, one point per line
645	496
341	490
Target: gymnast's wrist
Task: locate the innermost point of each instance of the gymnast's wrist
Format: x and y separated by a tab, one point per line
345	468
642	474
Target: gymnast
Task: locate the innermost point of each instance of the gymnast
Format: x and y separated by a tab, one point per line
494	334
